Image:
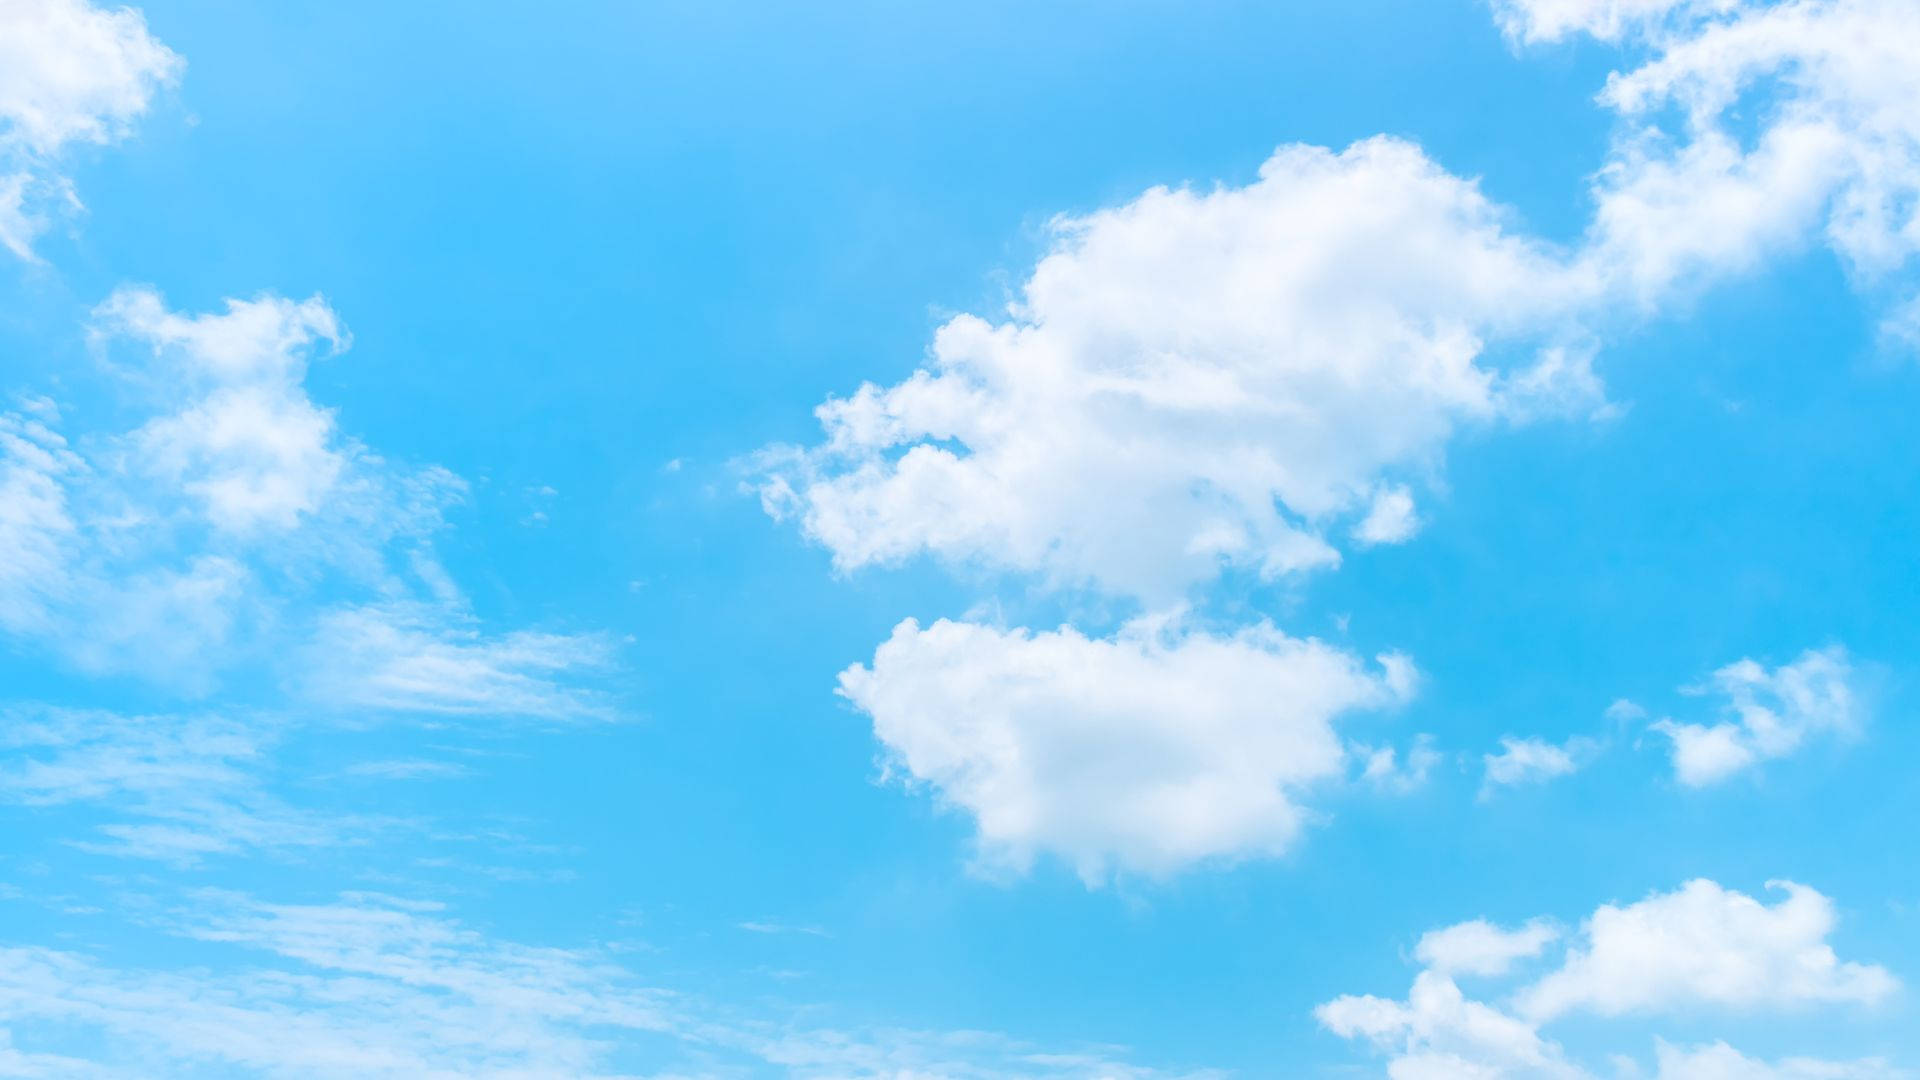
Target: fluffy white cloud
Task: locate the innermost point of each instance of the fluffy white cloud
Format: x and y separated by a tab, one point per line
1701	945
70	72
1709	945
1795	117
1439	1033
1772	713
1202	379
242	436
1145	752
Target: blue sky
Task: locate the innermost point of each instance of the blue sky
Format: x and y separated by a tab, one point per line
1081	540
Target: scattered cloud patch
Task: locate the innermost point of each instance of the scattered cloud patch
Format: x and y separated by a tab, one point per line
1145	752
1533	760
173	789
379	986
230	522
1770	714
1701	947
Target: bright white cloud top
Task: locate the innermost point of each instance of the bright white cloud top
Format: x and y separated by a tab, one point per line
1203	380
1160	748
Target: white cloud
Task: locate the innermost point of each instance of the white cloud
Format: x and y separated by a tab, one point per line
1772	713
1795	118
1439	1033
378	986
233	521
1144	752
1481	948
1384	768
1718	1061
70	73
243	438
418	658
1391	520
1701	946
1607	20
1532	761
1707	945
1197	380
174	789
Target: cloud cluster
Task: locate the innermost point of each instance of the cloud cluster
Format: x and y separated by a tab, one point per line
1201	385
230	521
70	73
1191	385
1751	127
1700	948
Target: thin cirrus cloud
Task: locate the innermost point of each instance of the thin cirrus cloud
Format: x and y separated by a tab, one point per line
1702	948
231	521
370	985
70	73
172	789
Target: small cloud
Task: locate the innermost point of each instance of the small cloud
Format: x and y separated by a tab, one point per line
413	769
767	927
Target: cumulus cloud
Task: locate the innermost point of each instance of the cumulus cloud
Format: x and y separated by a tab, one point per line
70	73
1771	714
1198	380
1707	945
1146	752
1699	947
1789	120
